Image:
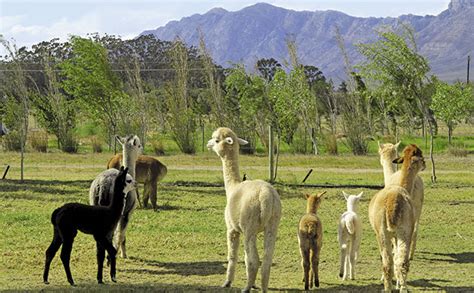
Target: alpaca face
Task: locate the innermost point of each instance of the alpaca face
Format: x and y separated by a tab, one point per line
130	184
352	200
413	156
131	144
224	142
388	152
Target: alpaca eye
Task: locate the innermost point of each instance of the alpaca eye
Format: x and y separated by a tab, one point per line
129	181
217	141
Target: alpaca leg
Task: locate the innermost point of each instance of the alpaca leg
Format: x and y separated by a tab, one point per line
252	261
107	245
352	261
413	240
233	241
153	195
269	248
387	260
304	251
120	235
50	253
316	249
342	271
66	256
402	260
100	261
146	193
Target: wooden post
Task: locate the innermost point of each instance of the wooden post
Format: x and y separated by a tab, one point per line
468	65
270	154
307	175
6	171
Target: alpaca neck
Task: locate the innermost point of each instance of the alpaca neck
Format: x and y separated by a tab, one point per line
230	167
407	179
388	170
117	202
130	161
311	209
351	208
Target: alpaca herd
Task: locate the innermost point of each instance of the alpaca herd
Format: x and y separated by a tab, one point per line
252	207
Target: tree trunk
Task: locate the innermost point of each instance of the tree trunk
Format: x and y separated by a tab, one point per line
450	133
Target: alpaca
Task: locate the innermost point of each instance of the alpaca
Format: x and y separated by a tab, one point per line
310	240
95	220
349	236
391	215
252	206
101	189
149	171
388	152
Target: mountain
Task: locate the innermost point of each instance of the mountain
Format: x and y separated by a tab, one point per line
261	31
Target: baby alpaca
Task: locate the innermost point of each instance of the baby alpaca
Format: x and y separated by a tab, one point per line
95	220
349	235
253	206
310	239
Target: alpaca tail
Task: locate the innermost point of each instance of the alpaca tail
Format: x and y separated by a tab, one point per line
54	215
344	246
350	225
393	210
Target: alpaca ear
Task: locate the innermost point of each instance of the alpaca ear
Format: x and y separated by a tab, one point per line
135	141
398	160
321	194
397	144
306	196
360	194
346	195
229	140
119	139
242	141
380	145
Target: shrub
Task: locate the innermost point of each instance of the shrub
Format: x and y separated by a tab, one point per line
39	141
12	141
458	151
96	144
330	144
70	144
158	148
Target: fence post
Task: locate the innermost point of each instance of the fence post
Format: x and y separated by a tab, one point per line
270	154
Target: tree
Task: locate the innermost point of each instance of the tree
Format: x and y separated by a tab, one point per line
393	64
268	68
55	110
452	104
17	98
181	116
90	79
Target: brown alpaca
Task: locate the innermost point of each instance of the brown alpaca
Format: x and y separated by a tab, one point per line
149	171
391	215
310	239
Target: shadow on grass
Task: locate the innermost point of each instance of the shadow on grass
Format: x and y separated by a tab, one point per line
463	257
200	268
145	287
53	187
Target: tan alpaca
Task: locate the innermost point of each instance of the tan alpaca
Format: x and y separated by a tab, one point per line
391	215
388	153
310	239
253	206
149	171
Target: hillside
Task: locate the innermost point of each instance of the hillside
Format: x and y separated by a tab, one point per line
260	31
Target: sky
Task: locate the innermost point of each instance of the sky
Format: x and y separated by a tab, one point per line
27	22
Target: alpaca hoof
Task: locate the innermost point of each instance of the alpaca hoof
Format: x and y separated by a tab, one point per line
246	290
100	282
227	284
306	288
114	280
316	283
46	282
255	287
340	275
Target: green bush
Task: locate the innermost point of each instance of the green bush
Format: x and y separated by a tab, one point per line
12	141
39	141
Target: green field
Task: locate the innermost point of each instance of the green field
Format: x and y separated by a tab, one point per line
182	246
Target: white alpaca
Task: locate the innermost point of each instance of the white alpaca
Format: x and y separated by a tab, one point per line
101	189
349	236
252	206
388	152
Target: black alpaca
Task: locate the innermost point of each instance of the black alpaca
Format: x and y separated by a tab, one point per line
96	220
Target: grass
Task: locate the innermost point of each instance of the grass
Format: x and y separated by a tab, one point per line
182	247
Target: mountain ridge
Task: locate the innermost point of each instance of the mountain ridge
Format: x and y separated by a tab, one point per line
260	30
